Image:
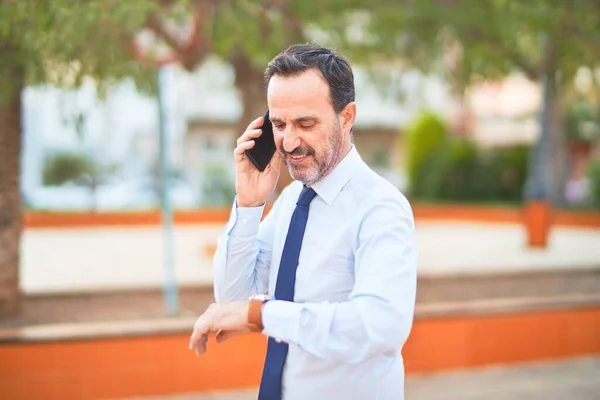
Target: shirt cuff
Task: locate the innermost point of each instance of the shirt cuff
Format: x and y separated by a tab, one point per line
281	320
245	221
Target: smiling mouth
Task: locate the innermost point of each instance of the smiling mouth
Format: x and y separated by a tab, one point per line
296	159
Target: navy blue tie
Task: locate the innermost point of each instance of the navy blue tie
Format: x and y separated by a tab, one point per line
270	385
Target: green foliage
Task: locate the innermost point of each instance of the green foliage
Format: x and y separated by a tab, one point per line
63	166
253	32
594	176
470	40
217	187
580	122
423	139
63	42
460	171
503	172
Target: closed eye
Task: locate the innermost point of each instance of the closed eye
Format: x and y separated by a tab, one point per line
279	127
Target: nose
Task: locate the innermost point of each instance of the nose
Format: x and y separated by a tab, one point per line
290	140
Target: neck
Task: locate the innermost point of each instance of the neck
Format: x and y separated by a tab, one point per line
341	155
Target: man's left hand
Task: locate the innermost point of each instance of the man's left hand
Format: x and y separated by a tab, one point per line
226	319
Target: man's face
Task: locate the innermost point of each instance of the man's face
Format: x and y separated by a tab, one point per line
311	137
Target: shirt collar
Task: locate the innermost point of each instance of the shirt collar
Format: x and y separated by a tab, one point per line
332	184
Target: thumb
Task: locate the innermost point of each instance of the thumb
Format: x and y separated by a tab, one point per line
224	335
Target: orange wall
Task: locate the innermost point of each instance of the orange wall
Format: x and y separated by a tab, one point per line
162	364
444	343
422	212
134	366
142	218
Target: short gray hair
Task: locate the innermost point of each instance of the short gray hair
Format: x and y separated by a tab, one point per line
334	68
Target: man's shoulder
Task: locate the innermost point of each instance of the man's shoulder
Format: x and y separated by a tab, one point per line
373	189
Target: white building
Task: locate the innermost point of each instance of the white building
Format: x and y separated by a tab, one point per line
202	109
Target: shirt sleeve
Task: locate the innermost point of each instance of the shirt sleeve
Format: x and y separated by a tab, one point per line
378	315
243	256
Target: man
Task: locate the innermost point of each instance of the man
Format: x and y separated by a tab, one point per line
336	253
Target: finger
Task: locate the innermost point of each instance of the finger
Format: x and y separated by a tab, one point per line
200	330
200	346
251	134
199	349
252	129
257	123
238	152
224	335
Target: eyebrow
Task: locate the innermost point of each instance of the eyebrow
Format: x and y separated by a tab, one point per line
297	120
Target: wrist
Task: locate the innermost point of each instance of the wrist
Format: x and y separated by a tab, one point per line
255	309
243	203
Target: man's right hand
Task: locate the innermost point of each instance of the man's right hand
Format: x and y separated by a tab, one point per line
252	186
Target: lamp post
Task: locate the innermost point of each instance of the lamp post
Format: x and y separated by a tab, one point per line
148	51
170	284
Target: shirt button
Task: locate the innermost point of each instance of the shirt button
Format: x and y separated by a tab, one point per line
244	221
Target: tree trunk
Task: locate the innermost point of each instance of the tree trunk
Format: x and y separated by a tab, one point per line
249	81
549	168
10	197
539	182
549	159
559	161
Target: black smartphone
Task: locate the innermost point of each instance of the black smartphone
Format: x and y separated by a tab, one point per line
264	147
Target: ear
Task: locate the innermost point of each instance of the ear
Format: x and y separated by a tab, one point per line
348	116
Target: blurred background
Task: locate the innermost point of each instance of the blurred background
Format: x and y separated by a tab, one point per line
117	125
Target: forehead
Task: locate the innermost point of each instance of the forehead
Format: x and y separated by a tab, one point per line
294	96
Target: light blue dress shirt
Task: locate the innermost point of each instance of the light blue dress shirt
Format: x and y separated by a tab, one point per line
355	284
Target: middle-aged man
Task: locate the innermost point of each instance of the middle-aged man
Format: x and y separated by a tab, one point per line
336	253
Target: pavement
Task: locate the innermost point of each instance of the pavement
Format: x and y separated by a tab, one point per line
92	259
574	379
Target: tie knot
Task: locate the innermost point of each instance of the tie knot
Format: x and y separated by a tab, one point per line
306	196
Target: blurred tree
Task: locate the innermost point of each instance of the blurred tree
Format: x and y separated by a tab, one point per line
423	139
218	189
62	167
461	171
246	34
63	42
472	40
58	42
594	177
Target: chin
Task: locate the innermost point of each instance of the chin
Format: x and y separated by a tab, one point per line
307	176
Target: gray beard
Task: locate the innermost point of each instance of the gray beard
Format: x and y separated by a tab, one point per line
321	165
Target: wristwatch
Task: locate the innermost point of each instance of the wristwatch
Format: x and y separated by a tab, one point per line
255	309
